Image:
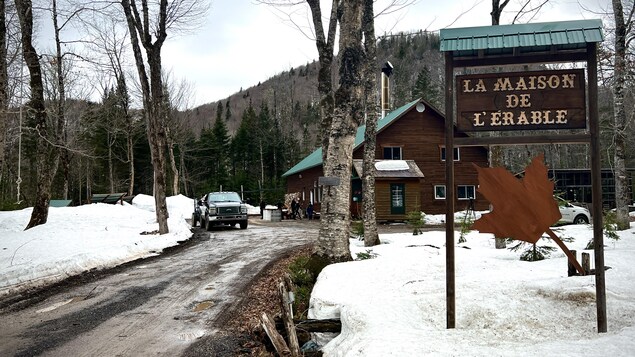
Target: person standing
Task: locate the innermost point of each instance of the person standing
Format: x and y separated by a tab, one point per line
294	208
309	211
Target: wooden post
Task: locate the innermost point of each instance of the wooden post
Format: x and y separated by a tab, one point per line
596	186
287	316
586	263
570	267
269	326
449	191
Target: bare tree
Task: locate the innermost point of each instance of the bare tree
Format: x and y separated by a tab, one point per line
110	42
47	153
61	98
152	36
4	82
347	115
620	121
371	237
178	94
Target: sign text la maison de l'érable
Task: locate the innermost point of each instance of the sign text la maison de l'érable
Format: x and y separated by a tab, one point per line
521	101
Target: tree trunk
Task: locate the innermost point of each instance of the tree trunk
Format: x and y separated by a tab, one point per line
175	170
619	119
371	237
61	104
186	191
4	97
335	226
111	169
130	157
325	57
47	156
496	152
153	94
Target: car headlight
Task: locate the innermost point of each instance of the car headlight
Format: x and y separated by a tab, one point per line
243	209
212	210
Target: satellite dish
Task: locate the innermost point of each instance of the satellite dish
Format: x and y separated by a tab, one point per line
420	107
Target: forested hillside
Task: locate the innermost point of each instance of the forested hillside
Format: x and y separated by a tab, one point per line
274	124
244	142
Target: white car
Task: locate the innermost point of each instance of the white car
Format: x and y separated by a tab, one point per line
574	214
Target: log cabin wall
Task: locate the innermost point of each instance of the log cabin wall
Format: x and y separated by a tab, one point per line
382	199
421	137
305	183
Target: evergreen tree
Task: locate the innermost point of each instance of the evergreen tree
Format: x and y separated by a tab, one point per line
244	157
426	88
220	151
228	110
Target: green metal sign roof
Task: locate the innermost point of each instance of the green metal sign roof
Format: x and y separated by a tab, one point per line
536	37
315	158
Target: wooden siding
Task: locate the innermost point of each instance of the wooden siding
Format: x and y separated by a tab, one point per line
382	199
421	137
304	183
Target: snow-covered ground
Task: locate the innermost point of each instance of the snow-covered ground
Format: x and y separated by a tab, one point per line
78	239
391	305
395	303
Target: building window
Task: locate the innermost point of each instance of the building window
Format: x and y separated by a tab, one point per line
392	153
456	154
439	192
465	192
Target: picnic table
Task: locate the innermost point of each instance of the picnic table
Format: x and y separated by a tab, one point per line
111	198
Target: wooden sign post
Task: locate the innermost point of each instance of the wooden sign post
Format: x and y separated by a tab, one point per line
528	100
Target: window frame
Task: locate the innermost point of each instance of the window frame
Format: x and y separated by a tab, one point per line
466	192
457	153
392	148
437	197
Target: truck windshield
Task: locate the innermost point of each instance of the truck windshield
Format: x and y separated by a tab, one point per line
225	197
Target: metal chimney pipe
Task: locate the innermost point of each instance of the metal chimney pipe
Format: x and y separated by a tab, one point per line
386	71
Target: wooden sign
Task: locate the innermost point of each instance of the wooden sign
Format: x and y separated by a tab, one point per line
521	101
328	181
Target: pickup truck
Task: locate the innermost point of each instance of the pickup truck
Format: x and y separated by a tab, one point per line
221	208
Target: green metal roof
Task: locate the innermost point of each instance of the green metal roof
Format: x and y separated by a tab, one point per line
60	203
315	158
536	37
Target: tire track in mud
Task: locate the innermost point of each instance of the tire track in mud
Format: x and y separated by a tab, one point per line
156	306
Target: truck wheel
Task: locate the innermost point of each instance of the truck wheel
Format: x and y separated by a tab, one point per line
243	225
208	225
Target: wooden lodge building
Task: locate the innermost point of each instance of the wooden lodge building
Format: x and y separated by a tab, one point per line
410	167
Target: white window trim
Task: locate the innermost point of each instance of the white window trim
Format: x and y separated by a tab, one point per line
435	192
465	198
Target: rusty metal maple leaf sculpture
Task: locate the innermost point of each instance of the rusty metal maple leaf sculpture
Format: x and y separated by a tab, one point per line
522	209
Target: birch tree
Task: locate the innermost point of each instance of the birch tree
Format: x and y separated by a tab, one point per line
620	119
151	36
347	115
371	237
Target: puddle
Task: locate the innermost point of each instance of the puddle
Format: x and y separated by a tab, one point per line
203	306
57	305
191	336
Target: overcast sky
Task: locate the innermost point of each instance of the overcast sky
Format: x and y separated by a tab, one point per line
242	43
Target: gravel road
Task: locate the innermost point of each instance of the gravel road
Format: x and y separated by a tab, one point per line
157	306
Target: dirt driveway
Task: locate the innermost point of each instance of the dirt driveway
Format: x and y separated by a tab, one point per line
156	306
